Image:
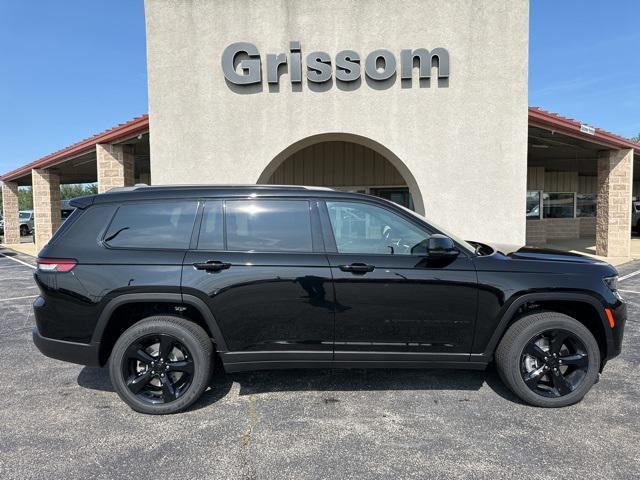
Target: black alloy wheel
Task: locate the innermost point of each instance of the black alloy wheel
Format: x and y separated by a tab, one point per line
158	368
554	363
548	359
161	364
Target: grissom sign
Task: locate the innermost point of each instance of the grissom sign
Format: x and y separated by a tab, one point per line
379	65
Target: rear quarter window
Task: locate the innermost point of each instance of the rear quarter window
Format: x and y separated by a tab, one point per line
152	225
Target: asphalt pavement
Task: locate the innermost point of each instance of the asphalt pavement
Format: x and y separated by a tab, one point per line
59	420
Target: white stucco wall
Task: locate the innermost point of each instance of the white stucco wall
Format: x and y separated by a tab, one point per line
464	144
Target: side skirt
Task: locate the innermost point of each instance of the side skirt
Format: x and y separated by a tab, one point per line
231	367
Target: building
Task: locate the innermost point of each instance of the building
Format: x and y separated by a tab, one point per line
422	102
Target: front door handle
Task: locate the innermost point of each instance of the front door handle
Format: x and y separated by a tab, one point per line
357	268
212	266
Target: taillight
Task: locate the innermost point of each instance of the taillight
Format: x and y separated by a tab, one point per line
56	264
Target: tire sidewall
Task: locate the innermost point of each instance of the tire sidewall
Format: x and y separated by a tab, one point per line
160	325
550	322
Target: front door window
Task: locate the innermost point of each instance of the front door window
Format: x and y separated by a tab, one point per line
369	229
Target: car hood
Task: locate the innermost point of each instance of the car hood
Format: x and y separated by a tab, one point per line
519	252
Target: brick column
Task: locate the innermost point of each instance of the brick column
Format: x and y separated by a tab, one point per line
613	219
46	204
115	166
10	212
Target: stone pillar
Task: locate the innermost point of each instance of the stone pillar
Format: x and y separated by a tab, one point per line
115	166
10	212
46	204
615	182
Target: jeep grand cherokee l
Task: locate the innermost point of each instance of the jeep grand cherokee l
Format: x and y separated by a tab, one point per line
161	282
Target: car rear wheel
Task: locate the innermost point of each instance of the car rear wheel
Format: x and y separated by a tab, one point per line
161	365
548	359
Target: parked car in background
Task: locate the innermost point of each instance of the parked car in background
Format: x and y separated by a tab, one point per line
1	225
160	283
66	209
635	216
27	223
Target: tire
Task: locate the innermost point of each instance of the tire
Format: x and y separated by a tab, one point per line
24	230
169	385
552	382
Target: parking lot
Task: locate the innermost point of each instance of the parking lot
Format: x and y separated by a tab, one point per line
59	420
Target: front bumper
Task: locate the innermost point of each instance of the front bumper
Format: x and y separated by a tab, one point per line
614	338
82	353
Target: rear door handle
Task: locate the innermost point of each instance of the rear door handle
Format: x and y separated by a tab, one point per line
212	266
357	268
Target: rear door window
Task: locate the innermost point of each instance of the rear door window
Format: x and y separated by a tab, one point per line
268	226
152	225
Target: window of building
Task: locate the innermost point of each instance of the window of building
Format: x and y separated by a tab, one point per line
152	225
586	204
211	231
558	205
268	226
533	205
368	229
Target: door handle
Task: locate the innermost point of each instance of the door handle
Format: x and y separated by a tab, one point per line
212	266
357	268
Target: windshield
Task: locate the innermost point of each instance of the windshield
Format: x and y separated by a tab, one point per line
463	243
25	215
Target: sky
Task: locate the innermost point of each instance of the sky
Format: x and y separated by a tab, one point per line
72	68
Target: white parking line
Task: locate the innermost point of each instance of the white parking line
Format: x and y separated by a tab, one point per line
629	275
17	298
19	261
628	291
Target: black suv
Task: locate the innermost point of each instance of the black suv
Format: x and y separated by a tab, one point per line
161	282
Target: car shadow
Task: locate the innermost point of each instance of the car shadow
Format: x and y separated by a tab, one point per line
327	380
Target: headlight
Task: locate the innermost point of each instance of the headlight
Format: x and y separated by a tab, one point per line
612	284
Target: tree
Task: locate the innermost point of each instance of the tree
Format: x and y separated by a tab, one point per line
636	138
77	190
25	198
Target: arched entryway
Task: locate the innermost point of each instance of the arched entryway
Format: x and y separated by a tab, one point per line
345	162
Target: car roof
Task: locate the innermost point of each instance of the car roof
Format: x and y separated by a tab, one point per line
158	192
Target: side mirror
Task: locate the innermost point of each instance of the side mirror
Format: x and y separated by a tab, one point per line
441	246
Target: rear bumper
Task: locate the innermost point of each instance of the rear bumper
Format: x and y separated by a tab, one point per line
82	353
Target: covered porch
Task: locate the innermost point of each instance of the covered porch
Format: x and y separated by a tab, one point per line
580	184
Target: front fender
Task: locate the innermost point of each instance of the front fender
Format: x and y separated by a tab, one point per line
509	309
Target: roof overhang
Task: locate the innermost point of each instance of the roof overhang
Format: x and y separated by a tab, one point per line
557	123
117	134
140	125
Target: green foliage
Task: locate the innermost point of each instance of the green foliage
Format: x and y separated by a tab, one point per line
25	198
77	190
636	138
25	194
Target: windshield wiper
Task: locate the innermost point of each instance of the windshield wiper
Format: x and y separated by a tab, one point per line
108	239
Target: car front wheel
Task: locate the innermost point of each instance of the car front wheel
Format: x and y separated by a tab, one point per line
161	365
548	359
